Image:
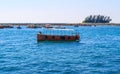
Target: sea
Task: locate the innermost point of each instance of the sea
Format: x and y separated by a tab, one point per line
97	52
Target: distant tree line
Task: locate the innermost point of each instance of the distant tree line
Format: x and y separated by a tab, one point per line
97	19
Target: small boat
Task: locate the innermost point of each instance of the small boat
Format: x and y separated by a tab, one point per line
1	27
33	26
58	35
48	26
18	27
7	26
76	26
59	27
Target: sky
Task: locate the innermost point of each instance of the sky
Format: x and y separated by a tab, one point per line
56	11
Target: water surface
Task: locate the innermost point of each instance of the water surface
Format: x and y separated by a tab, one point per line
98	52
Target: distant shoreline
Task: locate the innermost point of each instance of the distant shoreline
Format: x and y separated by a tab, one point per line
60	24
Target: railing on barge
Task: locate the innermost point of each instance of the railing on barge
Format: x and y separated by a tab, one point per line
58	35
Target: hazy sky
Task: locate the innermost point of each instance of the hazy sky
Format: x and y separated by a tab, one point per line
56	11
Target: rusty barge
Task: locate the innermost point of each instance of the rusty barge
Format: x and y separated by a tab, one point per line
58	35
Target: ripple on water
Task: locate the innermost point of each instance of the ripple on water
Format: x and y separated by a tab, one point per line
97	52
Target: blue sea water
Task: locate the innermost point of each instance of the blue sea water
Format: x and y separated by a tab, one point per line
98	52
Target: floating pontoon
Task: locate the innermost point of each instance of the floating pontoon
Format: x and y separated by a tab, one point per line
58	35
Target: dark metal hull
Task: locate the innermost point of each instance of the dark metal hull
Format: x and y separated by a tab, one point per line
41	37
